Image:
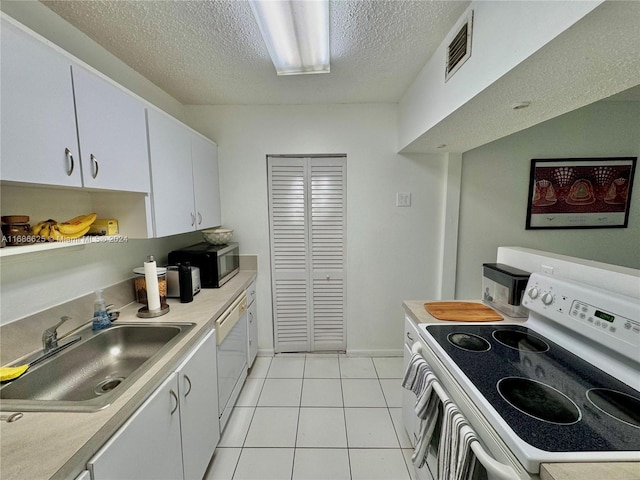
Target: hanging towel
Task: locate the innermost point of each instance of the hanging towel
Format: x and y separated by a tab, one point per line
456	460
420	379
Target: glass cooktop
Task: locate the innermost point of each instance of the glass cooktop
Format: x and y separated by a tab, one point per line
551	398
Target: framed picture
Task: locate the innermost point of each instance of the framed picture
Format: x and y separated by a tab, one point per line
580	192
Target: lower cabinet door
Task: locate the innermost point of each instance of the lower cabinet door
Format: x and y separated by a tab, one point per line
198	386
148	445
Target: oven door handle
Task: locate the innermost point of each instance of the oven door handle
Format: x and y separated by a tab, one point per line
494	468
498	470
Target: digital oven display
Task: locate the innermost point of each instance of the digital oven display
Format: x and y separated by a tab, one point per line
604	316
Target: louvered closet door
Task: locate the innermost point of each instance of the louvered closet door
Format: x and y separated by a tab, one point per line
307	209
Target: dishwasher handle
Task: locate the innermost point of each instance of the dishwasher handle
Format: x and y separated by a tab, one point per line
231	316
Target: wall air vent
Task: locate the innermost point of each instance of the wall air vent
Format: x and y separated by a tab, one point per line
459	49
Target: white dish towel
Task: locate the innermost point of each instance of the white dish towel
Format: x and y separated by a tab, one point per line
420	379
456	460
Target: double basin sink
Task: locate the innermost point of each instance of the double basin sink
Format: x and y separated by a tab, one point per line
92	373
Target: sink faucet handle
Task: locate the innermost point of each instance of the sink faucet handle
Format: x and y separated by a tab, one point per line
62	320
50	335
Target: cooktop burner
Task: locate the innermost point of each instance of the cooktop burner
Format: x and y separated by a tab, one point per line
540	401
620	406
466	341
520	340
550	398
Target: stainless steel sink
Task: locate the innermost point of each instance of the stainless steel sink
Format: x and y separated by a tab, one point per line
90	375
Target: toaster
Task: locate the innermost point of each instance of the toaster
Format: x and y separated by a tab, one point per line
173	281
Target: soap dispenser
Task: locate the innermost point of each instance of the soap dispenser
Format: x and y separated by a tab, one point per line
100	316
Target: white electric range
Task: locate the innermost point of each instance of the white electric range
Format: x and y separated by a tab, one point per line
562	386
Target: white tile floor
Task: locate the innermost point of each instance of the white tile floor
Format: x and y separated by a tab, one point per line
316	417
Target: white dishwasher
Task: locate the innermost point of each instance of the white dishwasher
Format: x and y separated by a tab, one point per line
231	331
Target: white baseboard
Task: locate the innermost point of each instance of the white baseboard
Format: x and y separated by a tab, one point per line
375	353
270	352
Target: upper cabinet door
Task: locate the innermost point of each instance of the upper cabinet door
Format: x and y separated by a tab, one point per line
171	175
38	129
204	155
112	133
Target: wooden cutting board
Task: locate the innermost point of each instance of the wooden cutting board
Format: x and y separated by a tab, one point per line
462	311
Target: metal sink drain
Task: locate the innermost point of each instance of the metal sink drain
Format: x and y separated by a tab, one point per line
107	385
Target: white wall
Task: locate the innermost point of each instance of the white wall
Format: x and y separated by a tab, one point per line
504	35
495	180
392	253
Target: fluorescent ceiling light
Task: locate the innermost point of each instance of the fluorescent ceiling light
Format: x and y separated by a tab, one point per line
296	33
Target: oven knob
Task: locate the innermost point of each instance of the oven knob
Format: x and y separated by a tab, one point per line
533	293
547	298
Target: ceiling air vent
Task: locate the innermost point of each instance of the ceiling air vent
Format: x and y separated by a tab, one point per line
459	49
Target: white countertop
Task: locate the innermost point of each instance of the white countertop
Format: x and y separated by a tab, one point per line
58	445
548	471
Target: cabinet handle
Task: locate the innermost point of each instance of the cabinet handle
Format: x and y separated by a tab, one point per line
409	336
193	219
67	152
250	317
95	165
188	391
199	218
175	397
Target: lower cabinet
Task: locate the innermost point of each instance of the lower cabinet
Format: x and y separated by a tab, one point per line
198	389
174	433
148	445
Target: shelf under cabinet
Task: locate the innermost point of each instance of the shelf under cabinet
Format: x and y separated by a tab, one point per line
45	246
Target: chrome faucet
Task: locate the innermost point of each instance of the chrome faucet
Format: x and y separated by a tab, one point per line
50	336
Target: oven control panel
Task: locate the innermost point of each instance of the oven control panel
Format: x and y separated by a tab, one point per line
605	317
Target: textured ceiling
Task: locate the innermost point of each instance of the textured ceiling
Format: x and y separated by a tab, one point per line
211	52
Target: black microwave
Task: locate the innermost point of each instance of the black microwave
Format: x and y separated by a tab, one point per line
217	263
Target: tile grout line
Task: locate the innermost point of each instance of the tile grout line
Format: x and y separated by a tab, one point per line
295	440
344	416
251	421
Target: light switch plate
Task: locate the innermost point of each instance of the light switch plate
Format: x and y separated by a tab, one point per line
403	199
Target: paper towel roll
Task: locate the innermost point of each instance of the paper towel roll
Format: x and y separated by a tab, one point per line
151	279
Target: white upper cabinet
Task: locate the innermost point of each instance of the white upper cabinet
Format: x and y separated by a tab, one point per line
184	177
204	155
112	133
38	129
171	175
41	128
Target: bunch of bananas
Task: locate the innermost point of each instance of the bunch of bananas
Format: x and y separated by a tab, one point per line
73	228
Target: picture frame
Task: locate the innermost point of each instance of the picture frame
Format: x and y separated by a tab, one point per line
566	193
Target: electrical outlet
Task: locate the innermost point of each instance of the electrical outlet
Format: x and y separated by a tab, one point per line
403	199
546	269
